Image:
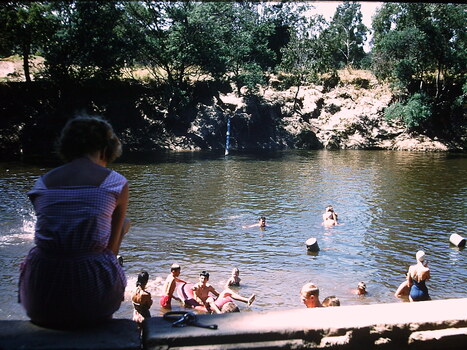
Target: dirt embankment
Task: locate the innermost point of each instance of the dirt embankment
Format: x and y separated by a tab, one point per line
350	115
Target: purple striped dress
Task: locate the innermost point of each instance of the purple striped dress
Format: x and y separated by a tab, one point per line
70	277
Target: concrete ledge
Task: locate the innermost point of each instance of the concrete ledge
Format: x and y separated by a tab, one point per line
112	335
424	325
382	326
444	338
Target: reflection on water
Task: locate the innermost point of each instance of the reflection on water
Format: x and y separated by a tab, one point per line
190	208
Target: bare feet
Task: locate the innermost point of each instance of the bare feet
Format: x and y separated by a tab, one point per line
251	299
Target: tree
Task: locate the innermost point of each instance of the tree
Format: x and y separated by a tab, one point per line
347	33
428	40
421	49
282	17
223	41
25	27
246	45
307	56
89	41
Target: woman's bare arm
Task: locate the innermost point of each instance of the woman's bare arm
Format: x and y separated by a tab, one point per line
118	219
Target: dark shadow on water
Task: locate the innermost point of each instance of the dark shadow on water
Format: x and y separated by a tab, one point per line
312	253
196	156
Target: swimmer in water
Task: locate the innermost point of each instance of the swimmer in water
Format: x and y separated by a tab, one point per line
329	216
361	289
331	301
235	279
261	223
309	295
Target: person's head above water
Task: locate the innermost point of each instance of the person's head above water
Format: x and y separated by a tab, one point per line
262	221
361	288
174	267
331	301
204	276
309	294
421	258
142	280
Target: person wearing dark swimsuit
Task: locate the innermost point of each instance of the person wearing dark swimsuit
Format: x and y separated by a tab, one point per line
417	276
419	291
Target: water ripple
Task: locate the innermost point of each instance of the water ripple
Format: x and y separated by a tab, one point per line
192	209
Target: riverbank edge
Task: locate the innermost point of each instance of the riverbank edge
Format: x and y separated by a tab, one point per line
440	324
348	115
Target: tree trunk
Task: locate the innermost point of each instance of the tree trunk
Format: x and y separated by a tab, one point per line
27	74
295	97
437	79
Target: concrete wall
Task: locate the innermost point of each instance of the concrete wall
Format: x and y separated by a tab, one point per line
424	325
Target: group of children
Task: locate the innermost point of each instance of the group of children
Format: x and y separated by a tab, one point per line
413	287
202	296
309	295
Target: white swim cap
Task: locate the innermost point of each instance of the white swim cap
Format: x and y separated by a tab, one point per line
420	255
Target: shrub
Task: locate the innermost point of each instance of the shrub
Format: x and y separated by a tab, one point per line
414	112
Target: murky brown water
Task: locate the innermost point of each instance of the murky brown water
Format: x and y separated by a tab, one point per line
190	208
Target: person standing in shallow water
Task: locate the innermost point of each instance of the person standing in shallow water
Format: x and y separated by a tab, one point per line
417	276
169	286
141	299
72	278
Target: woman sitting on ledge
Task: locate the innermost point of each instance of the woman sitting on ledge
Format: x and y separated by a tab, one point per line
72	277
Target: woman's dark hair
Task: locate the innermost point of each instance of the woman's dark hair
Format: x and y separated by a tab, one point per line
88	134
142	280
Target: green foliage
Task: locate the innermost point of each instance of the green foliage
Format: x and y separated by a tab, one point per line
421	49
24	28
401	56
361	83
347	35
415	112
251	78
283	17
88	42
461	101
187	41
307	56
416	44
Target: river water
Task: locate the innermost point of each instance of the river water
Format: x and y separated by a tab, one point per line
191	208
